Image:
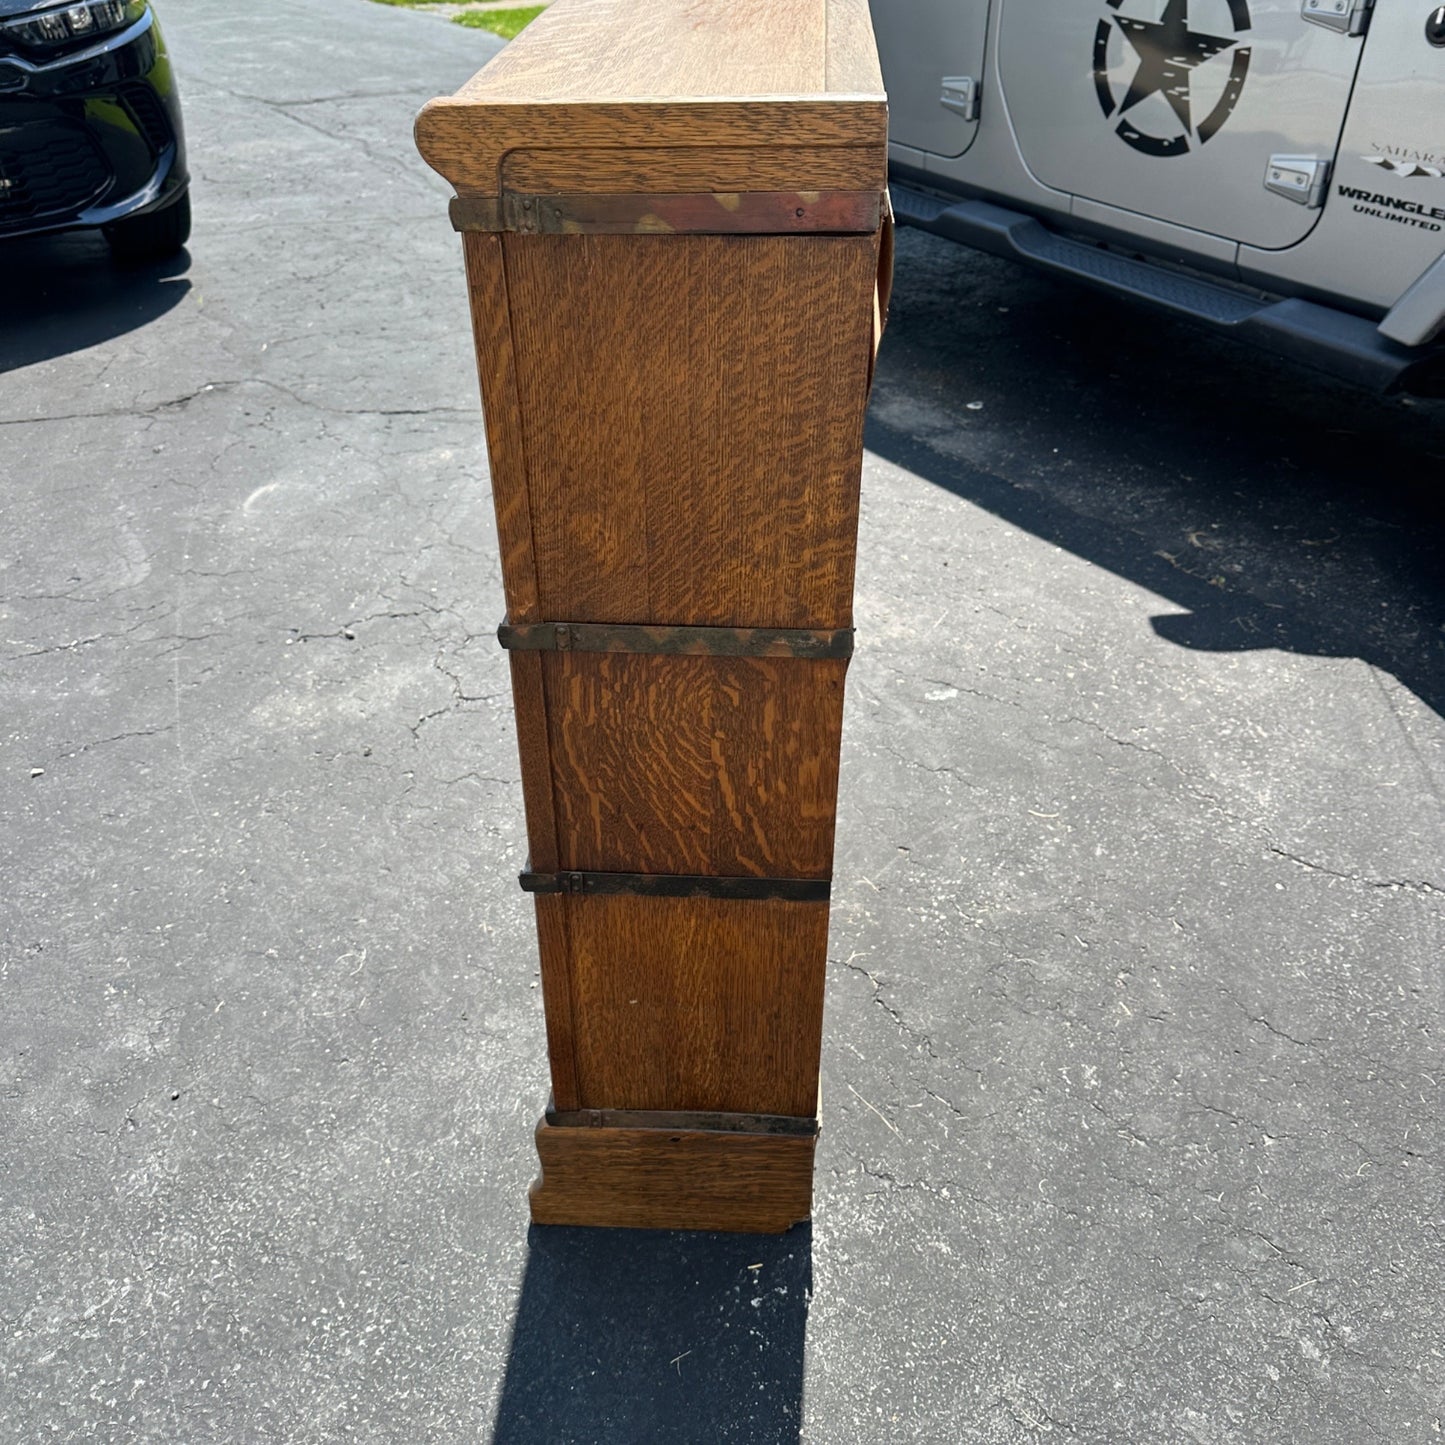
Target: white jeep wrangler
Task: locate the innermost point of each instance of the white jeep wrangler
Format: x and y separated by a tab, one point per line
1273	167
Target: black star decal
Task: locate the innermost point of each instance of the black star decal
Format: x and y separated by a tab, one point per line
1168	50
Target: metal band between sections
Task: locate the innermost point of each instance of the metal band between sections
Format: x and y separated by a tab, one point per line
692	1121
676	641
702	213
678	885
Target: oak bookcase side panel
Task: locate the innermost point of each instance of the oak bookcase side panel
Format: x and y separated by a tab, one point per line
702	765
697	1003
693	423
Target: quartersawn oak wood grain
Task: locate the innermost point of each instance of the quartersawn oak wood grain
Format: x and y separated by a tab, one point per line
655	1179
696	1003
693	420
694	764
683	169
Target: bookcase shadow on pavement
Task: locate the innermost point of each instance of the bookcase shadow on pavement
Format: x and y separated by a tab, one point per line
624	1336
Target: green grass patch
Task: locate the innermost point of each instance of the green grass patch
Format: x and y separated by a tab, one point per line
505	23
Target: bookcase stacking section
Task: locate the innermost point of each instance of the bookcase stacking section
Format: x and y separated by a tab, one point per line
675	225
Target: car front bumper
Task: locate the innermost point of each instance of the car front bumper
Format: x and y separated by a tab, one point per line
90	137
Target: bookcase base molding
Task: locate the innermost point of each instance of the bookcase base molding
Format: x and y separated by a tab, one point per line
673	1178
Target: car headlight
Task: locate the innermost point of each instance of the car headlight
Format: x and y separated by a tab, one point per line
67	24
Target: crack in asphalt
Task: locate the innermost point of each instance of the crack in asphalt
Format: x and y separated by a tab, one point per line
212	388
917	1037
1407	884
415	176
116	738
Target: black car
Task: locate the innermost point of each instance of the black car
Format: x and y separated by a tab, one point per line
90	126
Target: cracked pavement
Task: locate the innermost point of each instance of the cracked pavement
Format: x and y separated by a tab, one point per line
1132	1073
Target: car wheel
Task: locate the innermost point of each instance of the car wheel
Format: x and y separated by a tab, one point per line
152	236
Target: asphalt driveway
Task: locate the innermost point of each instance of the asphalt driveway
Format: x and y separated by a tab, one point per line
1132	1069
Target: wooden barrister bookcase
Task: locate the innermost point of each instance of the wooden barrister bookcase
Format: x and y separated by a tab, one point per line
674	216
